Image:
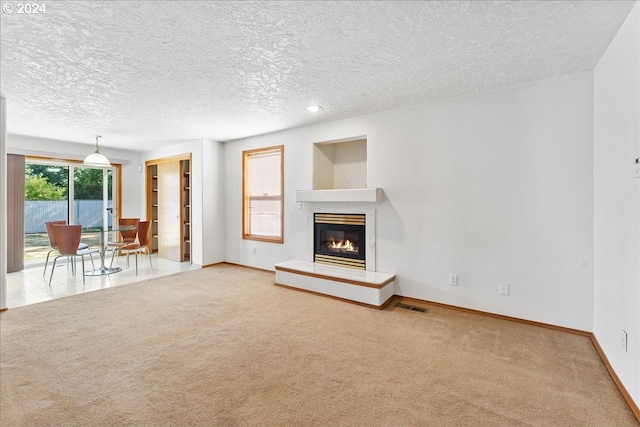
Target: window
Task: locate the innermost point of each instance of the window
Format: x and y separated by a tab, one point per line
262	187
58	189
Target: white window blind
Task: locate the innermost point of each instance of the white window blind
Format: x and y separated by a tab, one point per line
263	194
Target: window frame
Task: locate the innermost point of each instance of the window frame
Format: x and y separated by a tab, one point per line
246	232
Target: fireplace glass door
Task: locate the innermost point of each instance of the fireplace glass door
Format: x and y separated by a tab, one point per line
339	239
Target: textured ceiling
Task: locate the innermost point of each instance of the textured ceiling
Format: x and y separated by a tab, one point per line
143	72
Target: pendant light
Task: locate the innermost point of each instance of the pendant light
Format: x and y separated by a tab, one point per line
96	159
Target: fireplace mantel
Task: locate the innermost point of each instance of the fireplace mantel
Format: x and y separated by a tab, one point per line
340	195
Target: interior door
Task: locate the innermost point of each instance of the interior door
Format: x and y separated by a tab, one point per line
169	190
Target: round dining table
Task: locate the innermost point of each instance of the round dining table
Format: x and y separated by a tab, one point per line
104	270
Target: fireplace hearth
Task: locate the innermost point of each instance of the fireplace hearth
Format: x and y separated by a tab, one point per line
339	239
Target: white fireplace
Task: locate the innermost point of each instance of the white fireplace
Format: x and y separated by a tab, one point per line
366	286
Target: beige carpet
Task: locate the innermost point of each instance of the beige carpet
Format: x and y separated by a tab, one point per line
224	347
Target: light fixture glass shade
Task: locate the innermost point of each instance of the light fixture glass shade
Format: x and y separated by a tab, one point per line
96	159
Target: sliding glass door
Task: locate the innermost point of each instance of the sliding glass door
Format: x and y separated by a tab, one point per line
46	199
60	191
92	201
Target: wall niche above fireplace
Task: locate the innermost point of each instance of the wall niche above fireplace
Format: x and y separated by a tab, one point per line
340	164
340	173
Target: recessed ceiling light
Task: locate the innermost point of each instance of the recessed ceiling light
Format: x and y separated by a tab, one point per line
314	108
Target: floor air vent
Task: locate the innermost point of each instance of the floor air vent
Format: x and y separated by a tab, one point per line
411	307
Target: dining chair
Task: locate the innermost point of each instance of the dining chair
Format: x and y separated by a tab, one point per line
125	236
54	245
67	238
142	244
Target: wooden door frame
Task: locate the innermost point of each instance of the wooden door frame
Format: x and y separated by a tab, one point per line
156	162
149	190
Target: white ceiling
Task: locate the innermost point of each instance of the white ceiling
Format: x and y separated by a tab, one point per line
143	72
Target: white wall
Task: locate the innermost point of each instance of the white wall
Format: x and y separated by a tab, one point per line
350	164
207	214
617	202
34	146
323	166
212	196
495	187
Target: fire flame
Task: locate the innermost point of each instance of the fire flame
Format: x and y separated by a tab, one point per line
346	246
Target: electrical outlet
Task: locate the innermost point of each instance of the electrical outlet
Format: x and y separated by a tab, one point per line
503	289
254	251
453	279
623	340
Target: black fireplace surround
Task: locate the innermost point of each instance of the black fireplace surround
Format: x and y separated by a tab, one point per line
339	240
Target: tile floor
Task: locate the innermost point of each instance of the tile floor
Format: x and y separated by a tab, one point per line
29	286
